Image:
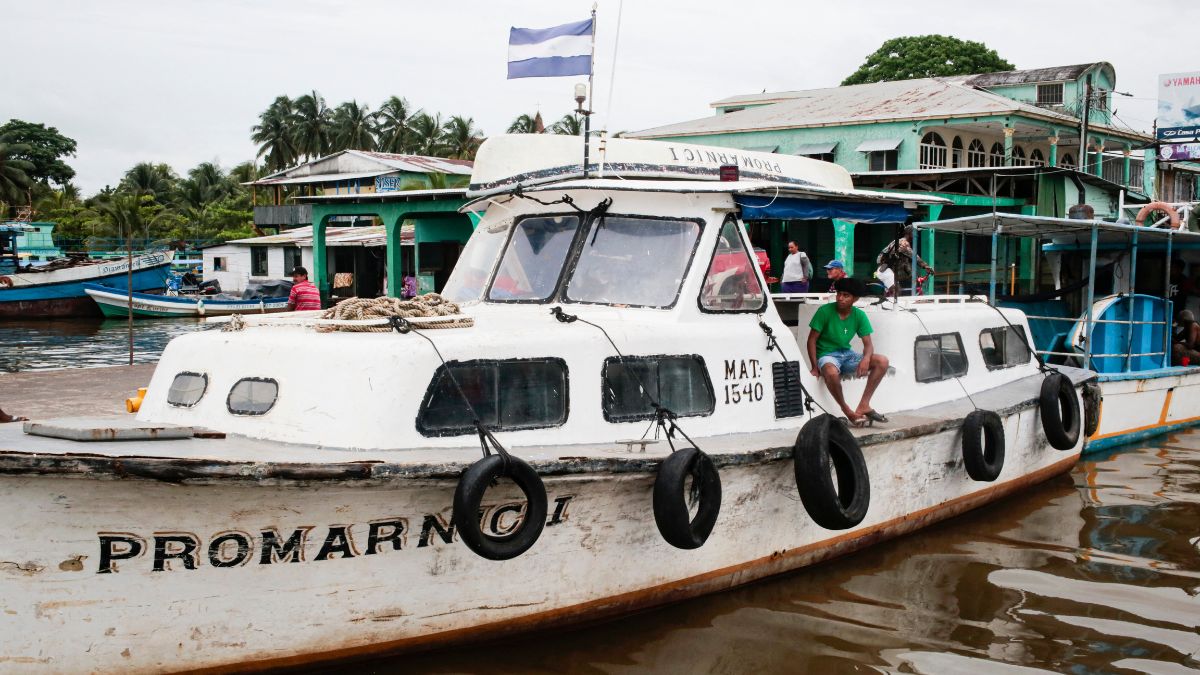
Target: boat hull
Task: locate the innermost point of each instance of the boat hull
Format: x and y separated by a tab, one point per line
77	599
1144	404
60	293
116	304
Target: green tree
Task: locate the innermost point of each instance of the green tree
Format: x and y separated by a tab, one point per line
312	122
276	135
461	138
44	148
427	134
527	124
569	125
148	178
907	58
392	125
353	127
205	183
14	172
134	215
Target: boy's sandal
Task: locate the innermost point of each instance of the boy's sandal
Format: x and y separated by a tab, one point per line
875	417
857	425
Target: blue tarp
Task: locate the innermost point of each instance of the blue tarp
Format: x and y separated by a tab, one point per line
766	208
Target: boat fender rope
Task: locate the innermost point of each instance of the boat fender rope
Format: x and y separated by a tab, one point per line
1092	397
468	514
672	496
1060	411
983	445
824	443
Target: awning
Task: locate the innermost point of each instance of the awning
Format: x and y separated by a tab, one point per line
879	145
816	148
784	208
762	148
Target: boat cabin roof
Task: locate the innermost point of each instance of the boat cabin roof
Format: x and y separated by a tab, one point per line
1017	225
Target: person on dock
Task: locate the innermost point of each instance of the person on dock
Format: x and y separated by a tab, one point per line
1186	348
833	326
304	295
797	270
898	256
834	270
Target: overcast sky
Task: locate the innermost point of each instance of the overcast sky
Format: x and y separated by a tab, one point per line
182	81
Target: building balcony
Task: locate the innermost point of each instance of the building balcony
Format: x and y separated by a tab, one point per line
286	216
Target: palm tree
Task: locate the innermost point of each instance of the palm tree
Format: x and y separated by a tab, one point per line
312	125
353	127
462	139
14	177
275	134
242	173
392	125
130	214
569	125
146	178
427	134
527	125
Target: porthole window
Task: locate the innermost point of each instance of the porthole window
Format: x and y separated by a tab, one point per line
679	383
507	396
939	357
187	389
1004	347
252	396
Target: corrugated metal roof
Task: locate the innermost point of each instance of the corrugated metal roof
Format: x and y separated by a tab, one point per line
927	98
1053	74
365	163
323	178
420	163
375	235
816	148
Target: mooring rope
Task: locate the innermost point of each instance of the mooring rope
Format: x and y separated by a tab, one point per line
427	305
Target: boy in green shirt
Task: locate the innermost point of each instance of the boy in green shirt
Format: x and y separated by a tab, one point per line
833	326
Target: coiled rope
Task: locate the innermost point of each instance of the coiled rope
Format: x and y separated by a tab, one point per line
428	305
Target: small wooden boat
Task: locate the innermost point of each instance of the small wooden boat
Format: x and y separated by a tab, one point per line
55	289
114	302
616	417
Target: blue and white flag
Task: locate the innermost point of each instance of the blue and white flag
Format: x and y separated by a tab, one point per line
550	52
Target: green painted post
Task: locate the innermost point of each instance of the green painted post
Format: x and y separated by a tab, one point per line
1008	145
320	264
1125	168
1149	169
929	247
843	244
1053	159
1099	156
395	270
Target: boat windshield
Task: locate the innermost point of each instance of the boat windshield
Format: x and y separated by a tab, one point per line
633	261
474	266
533	260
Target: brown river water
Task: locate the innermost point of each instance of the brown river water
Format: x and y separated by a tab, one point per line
1097	571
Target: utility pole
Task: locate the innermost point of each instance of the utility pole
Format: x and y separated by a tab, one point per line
1083	134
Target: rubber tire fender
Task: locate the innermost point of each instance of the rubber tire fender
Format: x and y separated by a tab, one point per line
1091	409
671	515
468	496
1060	411
5	282
983	445
825	442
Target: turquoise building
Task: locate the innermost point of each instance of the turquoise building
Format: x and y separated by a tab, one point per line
1012	141
37	245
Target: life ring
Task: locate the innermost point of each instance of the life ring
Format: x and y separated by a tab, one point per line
823	442
671	512
1158	206
983	445
1060	411
1091	409
5	282
468	495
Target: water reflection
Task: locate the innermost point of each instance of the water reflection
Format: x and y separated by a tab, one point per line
85	343
1098	571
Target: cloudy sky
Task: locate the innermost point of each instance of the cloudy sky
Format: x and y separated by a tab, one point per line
183	81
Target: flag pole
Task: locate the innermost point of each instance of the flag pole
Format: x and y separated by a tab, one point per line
587	116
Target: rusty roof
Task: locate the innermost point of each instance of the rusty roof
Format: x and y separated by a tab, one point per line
1053	74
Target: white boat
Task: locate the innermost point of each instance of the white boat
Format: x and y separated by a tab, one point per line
115	303
288	495
1124	336
55	289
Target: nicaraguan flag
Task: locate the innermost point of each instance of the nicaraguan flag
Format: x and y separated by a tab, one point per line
550	52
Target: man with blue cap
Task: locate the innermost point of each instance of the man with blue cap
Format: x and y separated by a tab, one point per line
834	269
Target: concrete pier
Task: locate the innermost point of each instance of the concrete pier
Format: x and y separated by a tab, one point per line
72	391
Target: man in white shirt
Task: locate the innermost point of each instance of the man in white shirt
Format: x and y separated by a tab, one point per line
797	270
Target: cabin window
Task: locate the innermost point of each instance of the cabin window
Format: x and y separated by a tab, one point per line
506	395
633	261
883	160
731	284
475	263
1050	94
219	264
258	261
187	389
252	396
533	261
1004	347
939	357
679	383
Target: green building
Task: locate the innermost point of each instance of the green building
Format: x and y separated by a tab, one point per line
36	243
1009	141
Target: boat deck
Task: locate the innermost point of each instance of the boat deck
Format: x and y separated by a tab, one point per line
241	459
